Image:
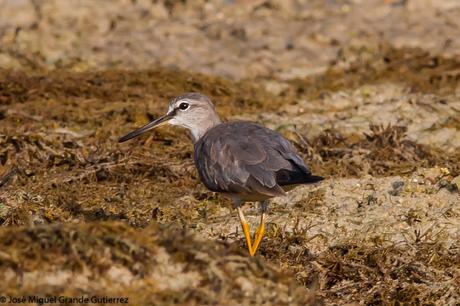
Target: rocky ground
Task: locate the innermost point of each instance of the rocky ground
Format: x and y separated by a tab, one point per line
369	92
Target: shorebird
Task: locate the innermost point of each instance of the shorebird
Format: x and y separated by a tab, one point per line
242	160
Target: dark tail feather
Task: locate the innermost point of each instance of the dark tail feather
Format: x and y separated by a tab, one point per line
284	178
313	179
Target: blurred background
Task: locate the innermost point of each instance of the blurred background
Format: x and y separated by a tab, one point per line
369	92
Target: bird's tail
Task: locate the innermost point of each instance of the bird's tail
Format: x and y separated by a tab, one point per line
313	179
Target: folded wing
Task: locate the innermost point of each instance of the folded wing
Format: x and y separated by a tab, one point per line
243	157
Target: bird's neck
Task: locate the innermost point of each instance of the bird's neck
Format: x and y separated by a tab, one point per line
198	131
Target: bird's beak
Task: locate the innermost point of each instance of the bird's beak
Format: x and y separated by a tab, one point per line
149	126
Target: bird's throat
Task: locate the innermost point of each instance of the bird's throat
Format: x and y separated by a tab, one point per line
197	131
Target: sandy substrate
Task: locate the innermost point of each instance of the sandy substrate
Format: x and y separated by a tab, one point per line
368	91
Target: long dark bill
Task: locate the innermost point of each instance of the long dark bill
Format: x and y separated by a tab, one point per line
149	126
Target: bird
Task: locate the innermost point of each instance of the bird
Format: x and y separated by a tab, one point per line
242	160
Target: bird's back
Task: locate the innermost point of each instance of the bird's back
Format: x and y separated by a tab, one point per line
248	159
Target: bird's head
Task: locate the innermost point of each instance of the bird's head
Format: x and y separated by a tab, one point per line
193	111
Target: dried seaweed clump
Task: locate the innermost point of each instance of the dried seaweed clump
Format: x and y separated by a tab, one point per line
421	272
384	151
157	265
355	66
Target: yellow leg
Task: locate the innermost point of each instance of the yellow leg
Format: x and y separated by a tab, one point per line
259	234
246	231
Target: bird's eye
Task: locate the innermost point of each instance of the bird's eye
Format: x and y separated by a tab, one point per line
183	106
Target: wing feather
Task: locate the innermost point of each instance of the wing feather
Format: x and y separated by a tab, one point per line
239	157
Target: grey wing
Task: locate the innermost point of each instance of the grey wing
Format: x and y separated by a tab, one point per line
249	162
